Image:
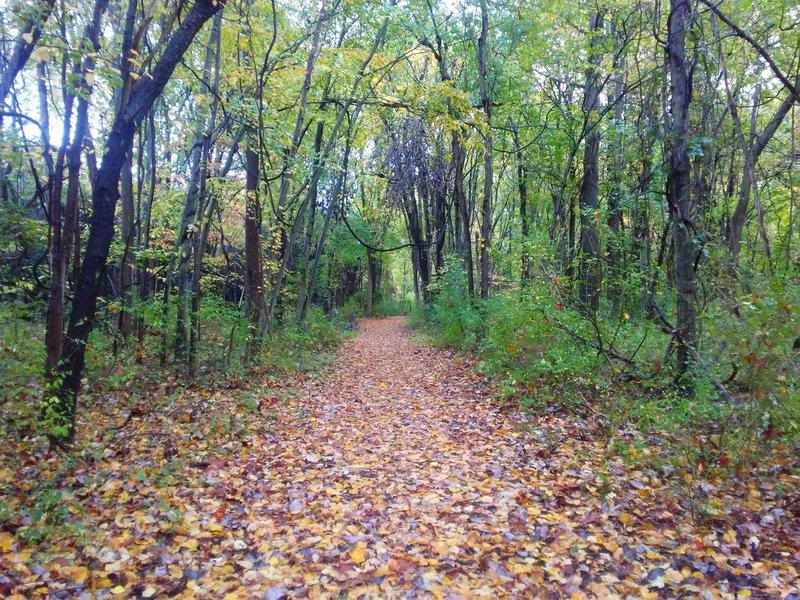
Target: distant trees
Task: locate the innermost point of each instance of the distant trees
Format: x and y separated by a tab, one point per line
635	161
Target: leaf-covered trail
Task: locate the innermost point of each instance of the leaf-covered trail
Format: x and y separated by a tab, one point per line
405	480
393	475
405	474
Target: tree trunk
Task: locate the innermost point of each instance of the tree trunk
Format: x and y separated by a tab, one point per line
101	229
54	333
26	41
615	242
460	194
125	267
678	181
756	148
370	282
302	287
590	267
487	222
254	263
522	186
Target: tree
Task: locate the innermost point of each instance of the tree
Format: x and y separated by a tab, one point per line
487	223
104	200
590	270
678	181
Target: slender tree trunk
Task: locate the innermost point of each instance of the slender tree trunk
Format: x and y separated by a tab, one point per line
54	333
338	190
590	267
254	263
24	44
758	145
125	266
522	187
302	287
370	283
104	201
460	196
317	171
615	242
487	221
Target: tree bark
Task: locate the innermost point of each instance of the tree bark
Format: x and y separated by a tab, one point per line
487	222
522	187
254	263
590	267
678	181
101	228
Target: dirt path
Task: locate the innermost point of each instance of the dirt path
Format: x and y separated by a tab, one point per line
394	475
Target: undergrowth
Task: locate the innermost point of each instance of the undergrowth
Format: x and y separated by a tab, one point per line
150	415
618	370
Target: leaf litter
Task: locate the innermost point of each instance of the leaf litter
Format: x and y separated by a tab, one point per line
394	475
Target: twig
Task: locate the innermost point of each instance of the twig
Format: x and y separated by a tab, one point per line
667	327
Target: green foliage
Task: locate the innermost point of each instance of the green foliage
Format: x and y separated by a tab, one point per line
546	355
50	510
304	347
392	307
453	315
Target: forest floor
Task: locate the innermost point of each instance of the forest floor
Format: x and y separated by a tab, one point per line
396	474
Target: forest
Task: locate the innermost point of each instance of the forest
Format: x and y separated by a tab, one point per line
371	298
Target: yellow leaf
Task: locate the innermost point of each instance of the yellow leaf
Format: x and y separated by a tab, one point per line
441	548
625	518
80	575
524	569
6	541
28	37
357	553
190	544
119	589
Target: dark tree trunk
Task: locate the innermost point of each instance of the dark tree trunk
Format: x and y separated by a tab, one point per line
522	186
370	283
460	197
254	264
678	181
615	242
71	215
487	221
590	267
58	263
104	201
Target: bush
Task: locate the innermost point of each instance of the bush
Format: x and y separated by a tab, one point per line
453	317
393	307
302	347
546	355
